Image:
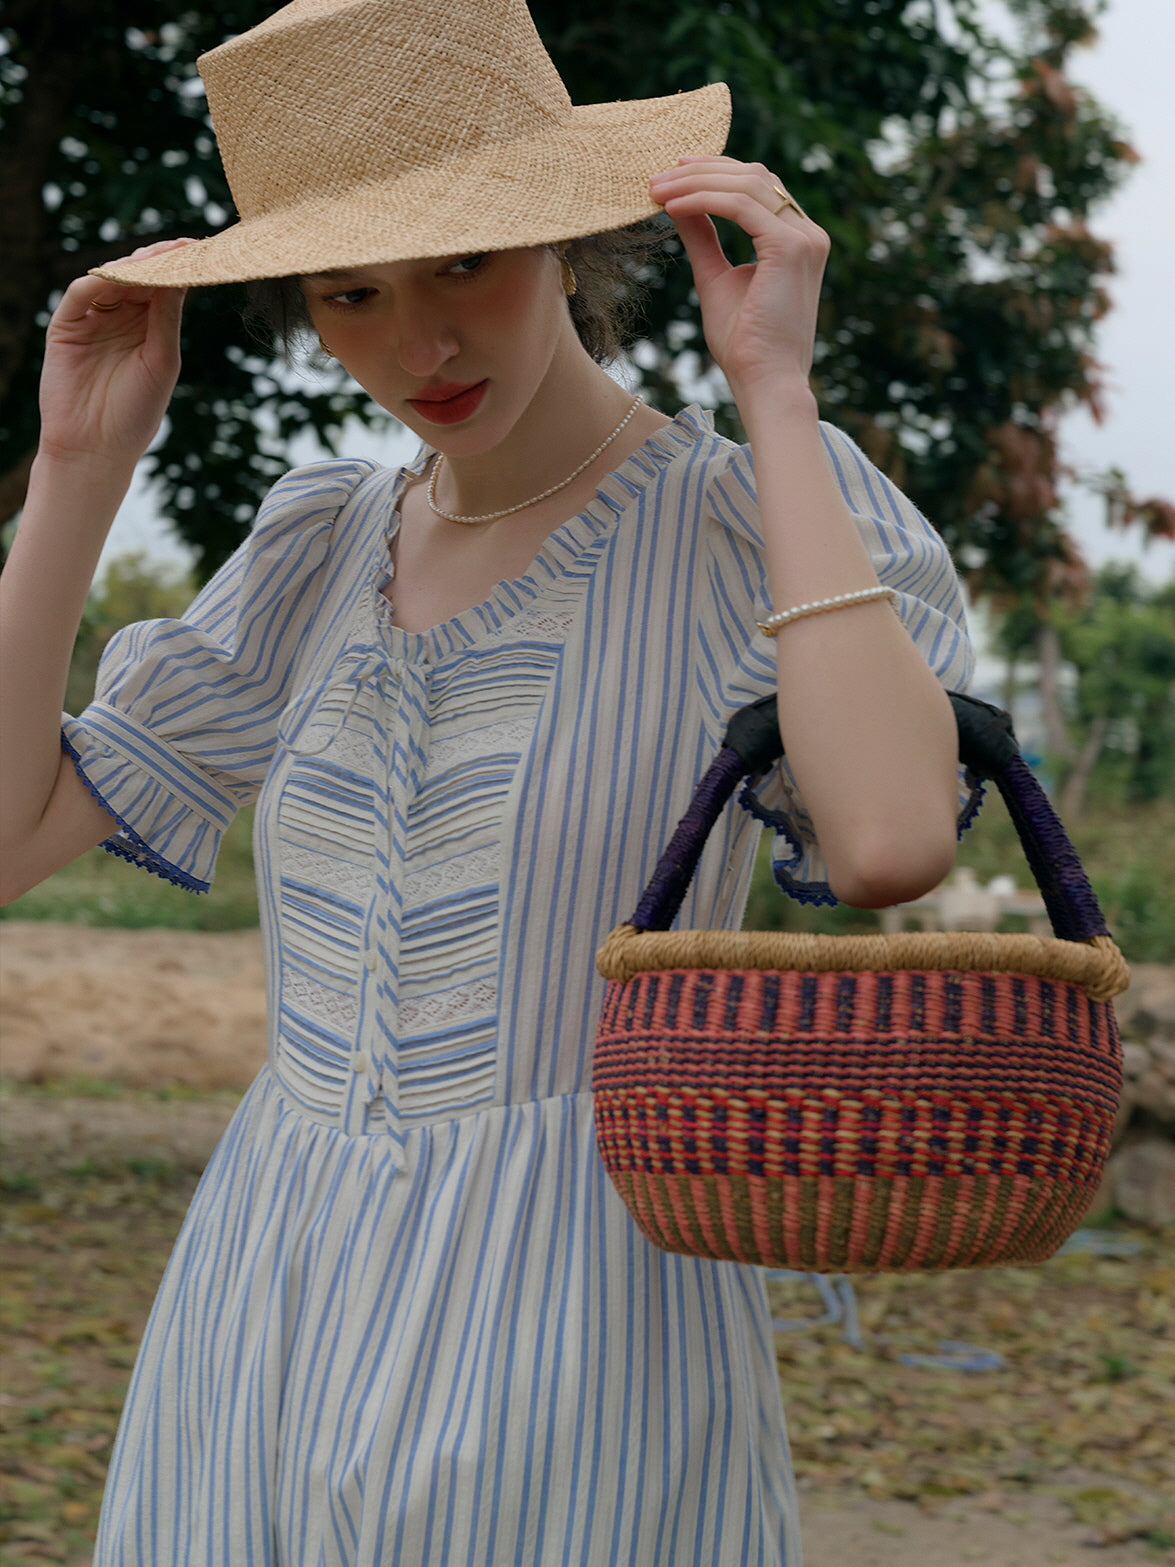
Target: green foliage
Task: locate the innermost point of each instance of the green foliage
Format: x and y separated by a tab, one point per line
107	146
1116	724
99	889
1121	643
132	588
953	171
1129	857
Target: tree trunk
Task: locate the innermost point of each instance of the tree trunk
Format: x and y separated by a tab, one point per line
52	31
1056	732
1009	684
1073	794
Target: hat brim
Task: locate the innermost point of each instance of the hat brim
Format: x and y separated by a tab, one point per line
587	174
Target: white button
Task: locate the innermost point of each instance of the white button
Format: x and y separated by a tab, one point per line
359	1062
370	959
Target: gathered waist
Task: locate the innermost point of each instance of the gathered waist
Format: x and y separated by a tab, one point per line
356	1116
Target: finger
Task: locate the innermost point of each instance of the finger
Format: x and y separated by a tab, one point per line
718	159
107	294
749	213
759	184
788	205
99	303
704	249
700	163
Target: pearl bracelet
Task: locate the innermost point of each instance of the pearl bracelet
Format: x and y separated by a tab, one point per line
774	624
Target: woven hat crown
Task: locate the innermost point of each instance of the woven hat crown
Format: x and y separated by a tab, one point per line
355	132
328	94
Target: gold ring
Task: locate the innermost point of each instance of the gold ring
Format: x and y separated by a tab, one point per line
785	201
96	304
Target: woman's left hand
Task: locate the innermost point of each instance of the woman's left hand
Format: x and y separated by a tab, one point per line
759	318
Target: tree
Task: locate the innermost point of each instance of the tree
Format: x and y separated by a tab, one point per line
131	588
110	140
1116	713
963	291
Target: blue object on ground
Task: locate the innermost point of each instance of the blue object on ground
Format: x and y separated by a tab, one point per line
1101	1243
956	1356
840	1304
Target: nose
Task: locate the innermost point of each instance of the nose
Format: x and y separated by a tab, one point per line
425	340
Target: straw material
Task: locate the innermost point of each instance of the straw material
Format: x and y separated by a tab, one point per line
849	1103
355	132
844	1121
1096	965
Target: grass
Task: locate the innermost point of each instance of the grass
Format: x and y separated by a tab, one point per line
1128	852
100	889
1076	1406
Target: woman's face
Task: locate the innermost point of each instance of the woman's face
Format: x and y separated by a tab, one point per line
456	347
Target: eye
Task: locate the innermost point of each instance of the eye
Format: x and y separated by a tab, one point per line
349	298
468	266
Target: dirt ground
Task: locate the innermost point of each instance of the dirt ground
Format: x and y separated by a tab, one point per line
147	1008
160	1009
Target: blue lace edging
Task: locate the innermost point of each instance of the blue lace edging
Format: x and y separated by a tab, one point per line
750	801
971	810
817	893
134	850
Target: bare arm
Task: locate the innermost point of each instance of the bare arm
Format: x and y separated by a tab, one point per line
868	730
107	380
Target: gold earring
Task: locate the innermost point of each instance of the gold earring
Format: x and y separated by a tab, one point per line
570	285
325	349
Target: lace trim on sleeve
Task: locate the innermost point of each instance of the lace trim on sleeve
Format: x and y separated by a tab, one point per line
127	844
788	853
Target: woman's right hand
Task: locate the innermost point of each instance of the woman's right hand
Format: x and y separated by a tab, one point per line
109	373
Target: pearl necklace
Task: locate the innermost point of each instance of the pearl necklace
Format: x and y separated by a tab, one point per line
492	516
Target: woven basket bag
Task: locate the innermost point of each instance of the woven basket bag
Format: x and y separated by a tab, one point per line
842	1104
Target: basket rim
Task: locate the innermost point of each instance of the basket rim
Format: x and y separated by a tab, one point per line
1097	965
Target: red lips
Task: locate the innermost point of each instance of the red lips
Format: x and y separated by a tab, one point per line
449	403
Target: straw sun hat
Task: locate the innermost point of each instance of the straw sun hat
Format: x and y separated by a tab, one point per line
355	132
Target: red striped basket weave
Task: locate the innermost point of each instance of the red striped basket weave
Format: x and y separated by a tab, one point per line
852	1104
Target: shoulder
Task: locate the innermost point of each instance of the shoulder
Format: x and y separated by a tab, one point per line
728	462
292	539
880	507
315	492
300	515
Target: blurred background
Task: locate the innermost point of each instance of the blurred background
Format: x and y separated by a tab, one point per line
999	183
998	179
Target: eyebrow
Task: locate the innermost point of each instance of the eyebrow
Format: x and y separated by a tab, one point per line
329	277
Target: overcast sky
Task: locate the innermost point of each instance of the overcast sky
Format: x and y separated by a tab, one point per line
1130	71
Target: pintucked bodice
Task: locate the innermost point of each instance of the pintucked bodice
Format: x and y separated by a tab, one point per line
381	829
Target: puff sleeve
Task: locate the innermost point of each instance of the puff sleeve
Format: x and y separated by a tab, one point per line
738	662
183	726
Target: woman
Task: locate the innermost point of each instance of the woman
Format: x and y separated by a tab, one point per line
407	1319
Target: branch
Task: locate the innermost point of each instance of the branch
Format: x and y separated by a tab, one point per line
1073	794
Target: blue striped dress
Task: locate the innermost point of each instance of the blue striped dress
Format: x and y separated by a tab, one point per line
407	1319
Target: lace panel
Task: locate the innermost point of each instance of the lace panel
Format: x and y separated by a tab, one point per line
509	738
475	1002
320	1003
539	623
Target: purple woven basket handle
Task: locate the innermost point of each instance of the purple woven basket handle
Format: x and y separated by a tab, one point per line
988	749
